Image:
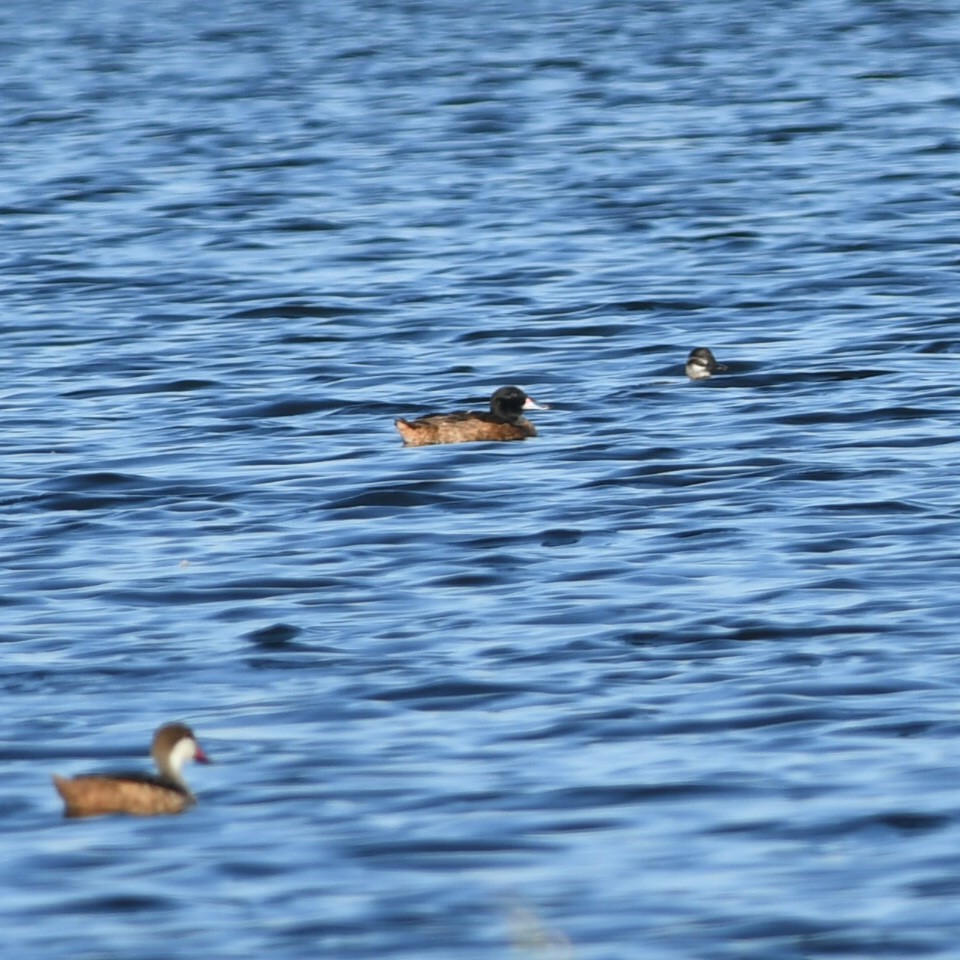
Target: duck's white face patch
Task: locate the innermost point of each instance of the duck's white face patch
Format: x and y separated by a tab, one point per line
184	750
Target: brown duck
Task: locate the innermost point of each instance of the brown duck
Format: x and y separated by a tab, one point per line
139	794
505	421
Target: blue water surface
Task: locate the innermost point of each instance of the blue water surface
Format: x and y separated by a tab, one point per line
675	680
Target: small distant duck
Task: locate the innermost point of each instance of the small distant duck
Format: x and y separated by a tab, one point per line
139	794
505	421
702	364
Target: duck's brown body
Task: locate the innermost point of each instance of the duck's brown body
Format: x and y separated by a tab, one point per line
142	795
465	427
503	422
95	796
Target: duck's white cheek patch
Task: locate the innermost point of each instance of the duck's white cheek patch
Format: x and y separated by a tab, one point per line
183	750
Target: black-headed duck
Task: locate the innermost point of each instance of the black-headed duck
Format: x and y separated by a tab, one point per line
505	421
702	364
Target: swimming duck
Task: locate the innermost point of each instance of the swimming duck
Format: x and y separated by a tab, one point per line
702	364
140	794
504	422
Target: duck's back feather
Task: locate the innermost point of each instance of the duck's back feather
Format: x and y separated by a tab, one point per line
465	427
92	795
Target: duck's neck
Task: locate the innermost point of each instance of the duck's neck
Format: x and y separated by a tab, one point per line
504	412
171	765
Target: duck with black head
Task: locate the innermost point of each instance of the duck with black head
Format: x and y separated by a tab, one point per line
505	421
138	794
702	364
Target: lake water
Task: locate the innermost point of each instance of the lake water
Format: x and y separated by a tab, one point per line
676	679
